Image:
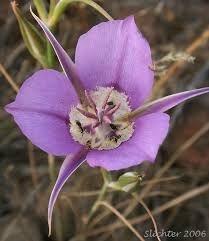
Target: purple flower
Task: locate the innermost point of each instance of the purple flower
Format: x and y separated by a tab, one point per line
81	114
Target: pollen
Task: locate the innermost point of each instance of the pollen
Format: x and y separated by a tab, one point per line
94	125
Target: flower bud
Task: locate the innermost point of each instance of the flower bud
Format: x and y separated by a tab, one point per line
126	182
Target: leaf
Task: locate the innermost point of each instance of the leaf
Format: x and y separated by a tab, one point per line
34	41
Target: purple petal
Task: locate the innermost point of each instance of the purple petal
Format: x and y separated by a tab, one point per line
41	111
70	164
115	54
150	131
166	103
67	64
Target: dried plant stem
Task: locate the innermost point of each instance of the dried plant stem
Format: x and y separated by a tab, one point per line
34	174
96	192
177	66
123	204
172	203
148	188
9	78
149	213
170	162
176	201
123	219
51	166
102	192
15	87
165	179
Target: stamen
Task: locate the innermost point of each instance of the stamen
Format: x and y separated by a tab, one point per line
95	126
78	123
107	120
91	102
107	97
152	67
87	114
89	129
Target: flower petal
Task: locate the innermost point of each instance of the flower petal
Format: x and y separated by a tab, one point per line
69	166
115	54
67	64
166	103
41	111
149	134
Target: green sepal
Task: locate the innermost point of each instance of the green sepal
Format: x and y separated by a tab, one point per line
34	41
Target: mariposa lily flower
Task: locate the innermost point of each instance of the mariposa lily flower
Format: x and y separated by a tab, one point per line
95	111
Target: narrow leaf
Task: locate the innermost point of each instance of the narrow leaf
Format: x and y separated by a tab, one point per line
63	5
31	36
41	9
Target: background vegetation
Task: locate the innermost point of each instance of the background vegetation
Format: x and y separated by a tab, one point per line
175	188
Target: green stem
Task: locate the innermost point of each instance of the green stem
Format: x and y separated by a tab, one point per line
50	56
107	178
63	4
41	9
52	7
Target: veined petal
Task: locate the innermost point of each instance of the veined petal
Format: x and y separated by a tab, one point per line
115	54
165	103
41	111
69	166
150	132
67	64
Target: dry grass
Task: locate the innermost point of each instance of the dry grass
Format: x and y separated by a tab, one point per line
174	193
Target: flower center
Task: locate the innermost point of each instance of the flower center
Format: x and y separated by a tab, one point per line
94	125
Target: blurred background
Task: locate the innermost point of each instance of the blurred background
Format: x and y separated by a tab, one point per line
175	187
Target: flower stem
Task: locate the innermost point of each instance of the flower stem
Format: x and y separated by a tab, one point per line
106	178
41	9
50	56
63	4
52	7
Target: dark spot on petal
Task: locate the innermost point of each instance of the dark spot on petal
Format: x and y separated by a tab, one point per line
114	127
88	143
110	103
115	138
78	123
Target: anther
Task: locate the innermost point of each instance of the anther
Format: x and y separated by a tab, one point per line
110	103
91	102
114	127
78	123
